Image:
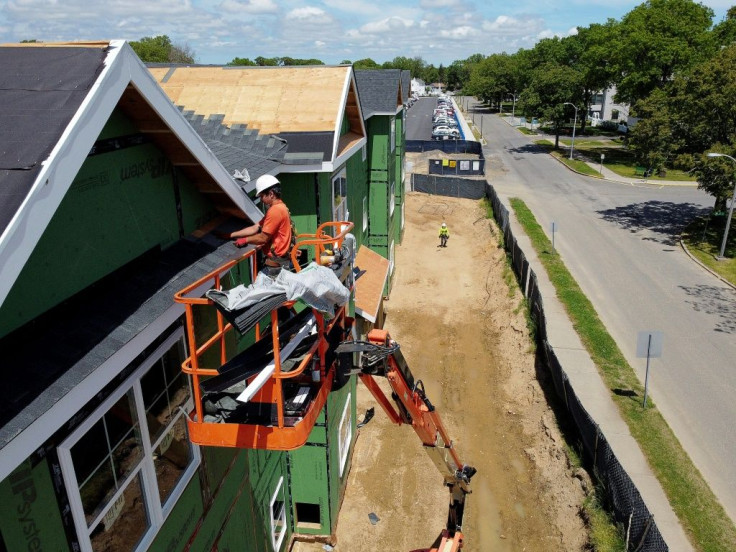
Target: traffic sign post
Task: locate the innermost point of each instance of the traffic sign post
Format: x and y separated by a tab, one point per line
554	229
649	345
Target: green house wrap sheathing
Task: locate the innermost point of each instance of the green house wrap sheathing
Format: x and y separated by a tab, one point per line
31	519
400	156
317	483
121	204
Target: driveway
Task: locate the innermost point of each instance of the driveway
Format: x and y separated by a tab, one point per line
620	242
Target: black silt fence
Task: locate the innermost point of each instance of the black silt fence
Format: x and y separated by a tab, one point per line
448	186
621	495
448	146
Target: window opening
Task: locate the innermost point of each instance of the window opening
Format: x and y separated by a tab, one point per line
308	516
345	434
278	516
126	464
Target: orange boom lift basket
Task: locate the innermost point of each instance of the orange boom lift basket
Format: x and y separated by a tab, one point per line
282	432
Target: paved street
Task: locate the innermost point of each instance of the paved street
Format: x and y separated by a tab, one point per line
620	242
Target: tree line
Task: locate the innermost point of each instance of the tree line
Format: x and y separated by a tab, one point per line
667	60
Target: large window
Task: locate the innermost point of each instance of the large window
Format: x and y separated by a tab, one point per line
278	516
345	434
340	196
127	463
391	257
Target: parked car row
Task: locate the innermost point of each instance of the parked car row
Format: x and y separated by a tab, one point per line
444	123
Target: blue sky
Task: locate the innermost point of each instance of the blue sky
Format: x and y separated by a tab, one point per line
440	31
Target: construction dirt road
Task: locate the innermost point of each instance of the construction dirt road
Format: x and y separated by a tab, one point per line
464	334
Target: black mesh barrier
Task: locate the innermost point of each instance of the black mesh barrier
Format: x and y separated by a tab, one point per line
448	186
448	146
524	276
457	167
519	260
622	496
556	370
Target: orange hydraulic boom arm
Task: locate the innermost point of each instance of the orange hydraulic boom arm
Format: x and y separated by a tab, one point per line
380	356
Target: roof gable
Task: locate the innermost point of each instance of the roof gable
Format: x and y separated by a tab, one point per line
380	91
103	77
304	105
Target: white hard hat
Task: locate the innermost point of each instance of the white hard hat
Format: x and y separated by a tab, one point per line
444	225
265	182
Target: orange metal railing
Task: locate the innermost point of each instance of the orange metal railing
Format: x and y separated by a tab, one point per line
224	434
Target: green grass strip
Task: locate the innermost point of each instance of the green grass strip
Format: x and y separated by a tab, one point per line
702	516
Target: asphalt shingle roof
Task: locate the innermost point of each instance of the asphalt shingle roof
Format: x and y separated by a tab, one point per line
378	90
40	91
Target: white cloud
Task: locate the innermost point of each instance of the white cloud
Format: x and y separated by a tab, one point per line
319	43
249	6
354	6
457	33
310	15
505	25
389	24
434	4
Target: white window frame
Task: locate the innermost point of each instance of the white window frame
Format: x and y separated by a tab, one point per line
403	214
337	210
365	213
276	542
392	198
393	133
391	257
156	513
343	445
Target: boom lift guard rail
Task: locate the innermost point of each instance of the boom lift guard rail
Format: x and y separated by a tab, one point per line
379	356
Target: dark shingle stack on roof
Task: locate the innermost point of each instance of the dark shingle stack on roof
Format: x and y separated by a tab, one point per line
237	147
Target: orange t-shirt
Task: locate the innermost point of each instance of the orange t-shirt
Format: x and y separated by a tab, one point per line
277	224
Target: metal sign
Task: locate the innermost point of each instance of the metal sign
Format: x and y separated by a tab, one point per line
649	344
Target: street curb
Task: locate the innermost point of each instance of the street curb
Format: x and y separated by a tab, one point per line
697	261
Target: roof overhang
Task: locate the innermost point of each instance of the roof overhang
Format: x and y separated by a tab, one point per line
122	69
369	287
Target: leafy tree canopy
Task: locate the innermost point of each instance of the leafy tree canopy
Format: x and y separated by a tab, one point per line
159	49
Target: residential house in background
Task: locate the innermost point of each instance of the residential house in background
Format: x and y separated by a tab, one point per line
418	87
382	100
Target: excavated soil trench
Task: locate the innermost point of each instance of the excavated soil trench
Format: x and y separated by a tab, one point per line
463	333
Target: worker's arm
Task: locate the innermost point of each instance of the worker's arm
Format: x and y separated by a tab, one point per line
250	235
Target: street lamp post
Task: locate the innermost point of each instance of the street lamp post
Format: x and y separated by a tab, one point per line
513	109
730	210
574	125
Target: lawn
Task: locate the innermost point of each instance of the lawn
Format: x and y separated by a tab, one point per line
703	239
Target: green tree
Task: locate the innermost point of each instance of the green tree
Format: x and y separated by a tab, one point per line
267	62
550	87
242	62
366	63
656	41
159	49
716	176
655	138
298	61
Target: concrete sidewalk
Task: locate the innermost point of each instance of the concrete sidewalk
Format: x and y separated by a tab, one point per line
597	401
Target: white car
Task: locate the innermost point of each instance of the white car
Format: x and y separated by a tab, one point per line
445	133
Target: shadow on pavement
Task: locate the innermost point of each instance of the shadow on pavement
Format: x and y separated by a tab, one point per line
715	300
664	219
528	148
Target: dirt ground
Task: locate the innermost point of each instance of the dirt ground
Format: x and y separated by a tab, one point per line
463	333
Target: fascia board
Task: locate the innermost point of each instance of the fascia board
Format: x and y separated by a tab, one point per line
349	82
367	316
60	168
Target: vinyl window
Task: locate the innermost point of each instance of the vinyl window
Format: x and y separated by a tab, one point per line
340	196
125	466
277	508
345	434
